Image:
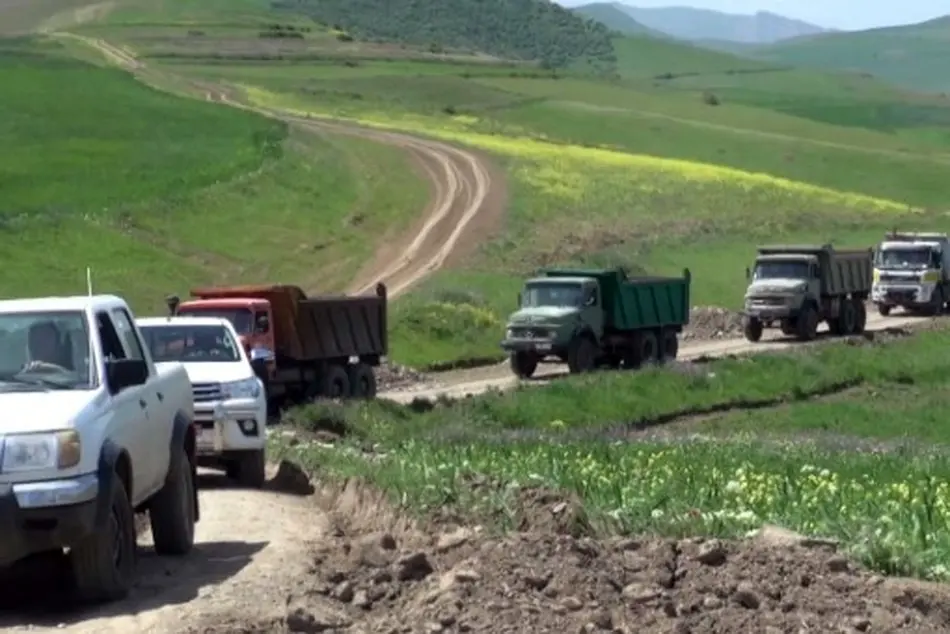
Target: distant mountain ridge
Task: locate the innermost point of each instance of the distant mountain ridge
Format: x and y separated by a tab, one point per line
698	25
611	15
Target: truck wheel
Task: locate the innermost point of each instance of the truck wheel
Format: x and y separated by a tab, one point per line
883	310
172	510
808	323
752	329
523	364
861	316
250	469
362	381
103	564
846	319
336	383
789	327
936	302
669	346
581	355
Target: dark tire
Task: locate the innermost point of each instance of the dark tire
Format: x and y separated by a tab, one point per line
808	323
581	355
861	316
523	364
752	329
847	318
336	383
649	348
789	327
250	469
172	510
362	381
936	302
103	564
669	346
883	310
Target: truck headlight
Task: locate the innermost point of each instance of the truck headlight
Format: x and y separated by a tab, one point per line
930	276
876	276
510	334
35	452
246	388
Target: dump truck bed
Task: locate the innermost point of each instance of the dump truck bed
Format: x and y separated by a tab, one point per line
635	303
843	271
319	328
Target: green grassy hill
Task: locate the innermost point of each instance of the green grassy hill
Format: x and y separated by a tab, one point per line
157	193
915	56
614	19
523	29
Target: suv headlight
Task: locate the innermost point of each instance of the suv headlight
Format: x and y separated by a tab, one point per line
35	452
246	388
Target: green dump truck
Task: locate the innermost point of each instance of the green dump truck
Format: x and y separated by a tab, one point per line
596	318
796	287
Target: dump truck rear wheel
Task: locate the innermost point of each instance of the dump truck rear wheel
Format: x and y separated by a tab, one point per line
581	355
362	381
523	364
861	316
649	348
846	319
336	383
669	346
752	329
808	323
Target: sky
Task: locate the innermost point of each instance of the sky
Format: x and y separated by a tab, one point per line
835	14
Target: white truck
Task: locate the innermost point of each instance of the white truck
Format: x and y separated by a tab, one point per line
91	433
230	400
912	271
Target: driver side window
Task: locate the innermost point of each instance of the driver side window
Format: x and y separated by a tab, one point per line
111	344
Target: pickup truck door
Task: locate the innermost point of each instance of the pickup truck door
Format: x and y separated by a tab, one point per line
153	431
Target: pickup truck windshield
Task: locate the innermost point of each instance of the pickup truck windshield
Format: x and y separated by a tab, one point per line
240	318
191	344
552	294
45	350
795	270
903	258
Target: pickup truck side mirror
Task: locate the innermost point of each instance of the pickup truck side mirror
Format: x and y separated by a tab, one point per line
748	273
124	373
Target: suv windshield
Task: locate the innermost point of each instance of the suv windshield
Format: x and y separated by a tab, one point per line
45	350
240	318
190	344
552	294
903	258
772	270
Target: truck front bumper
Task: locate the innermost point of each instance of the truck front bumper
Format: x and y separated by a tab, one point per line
234	425
48	515
542	347
769	311
902	295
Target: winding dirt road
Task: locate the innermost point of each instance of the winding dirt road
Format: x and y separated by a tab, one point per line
254	547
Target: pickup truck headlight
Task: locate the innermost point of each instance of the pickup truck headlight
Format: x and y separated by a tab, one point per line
246	388
35	452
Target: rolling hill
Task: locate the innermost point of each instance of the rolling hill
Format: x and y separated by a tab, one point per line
692	24
615	19
915	56
518	29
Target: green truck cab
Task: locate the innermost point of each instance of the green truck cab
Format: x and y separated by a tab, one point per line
590	318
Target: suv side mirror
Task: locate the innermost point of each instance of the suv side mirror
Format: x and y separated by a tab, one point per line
124	373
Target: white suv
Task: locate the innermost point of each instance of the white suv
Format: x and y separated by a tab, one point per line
230	401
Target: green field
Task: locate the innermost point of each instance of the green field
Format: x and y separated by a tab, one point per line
839	441
157	193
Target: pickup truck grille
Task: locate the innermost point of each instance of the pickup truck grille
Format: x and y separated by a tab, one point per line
205	392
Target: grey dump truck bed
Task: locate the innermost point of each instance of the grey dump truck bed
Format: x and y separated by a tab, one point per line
842	271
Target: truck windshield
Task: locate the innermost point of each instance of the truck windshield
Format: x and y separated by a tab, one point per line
240	318
903	258
552	294
771	270
190	344
45	350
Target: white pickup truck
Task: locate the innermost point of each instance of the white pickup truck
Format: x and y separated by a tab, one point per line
91	433
230	401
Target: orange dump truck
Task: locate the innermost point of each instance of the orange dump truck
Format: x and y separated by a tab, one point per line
302	347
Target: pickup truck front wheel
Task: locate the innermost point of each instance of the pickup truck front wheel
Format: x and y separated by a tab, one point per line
172	511
103	564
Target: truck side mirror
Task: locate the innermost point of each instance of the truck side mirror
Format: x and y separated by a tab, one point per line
519	300
262	324
748	273
172	301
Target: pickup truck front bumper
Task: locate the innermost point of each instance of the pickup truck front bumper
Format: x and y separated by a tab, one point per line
48	515
235	425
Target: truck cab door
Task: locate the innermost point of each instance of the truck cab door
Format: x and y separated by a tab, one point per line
155	415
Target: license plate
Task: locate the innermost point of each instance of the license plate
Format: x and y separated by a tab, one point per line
544	347
208	439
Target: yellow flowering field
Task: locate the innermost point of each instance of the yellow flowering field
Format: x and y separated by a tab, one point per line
891	511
